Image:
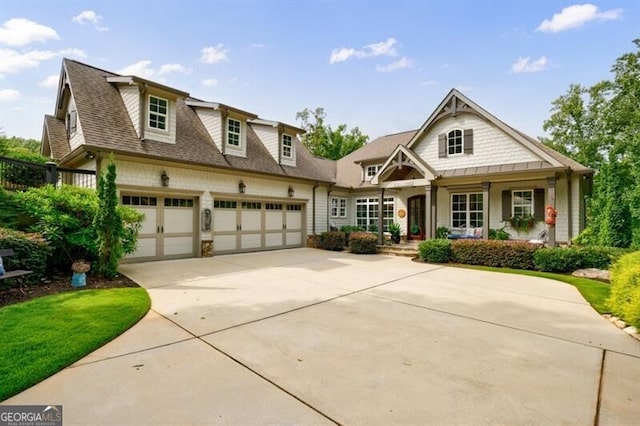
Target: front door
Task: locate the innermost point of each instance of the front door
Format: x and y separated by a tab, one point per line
416	219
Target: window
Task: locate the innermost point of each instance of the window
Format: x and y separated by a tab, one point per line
233	132
522	203
367	212
249	205
294	207
158	108
178	202
135	200
273	206
466	210
223	204
372	170
338	207
454	142
287	146
72	123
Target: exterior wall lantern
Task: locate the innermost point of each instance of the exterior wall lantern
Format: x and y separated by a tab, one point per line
164	179
241	187
291	191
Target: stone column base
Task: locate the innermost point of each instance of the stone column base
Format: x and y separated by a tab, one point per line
206	248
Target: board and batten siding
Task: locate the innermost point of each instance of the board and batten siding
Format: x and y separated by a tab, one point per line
491	146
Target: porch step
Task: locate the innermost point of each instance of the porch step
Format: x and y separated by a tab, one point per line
406	250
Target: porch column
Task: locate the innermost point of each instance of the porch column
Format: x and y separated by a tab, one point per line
551	200
380	215
434	211
428	214
486	219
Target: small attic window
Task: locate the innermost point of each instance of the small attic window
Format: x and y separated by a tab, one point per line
72	123
372	170
287	146
158	110
454	142
233	132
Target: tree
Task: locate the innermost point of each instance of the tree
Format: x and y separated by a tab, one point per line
108	224
598	127
321	140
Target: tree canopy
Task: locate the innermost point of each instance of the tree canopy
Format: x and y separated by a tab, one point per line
599	126
21	149
323	141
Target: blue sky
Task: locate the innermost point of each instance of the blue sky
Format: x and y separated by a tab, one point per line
380	65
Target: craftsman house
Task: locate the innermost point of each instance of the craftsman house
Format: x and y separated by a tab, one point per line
211	178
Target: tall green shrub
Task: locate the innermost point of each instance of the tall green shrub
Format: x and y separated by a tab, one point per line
108	224
625	288
435	251
31	252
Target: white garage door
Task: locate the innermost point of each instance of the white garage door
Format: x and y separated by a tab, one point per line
168	230
255	225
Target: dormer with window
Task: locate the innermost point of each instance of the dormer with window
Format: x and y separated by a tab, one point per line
151	107
370	171
279	139
455	142
287	149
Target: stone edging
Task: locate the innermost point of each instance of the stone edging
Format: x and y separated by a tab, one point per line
629	329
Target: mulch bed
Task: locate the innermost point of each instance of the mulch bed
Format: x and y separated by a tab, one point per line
58	284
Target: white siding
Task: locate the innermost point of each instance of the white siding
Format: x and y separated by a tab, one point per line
491	146
268	135
168	136
290	161
131	98
76	138
322	224
212	121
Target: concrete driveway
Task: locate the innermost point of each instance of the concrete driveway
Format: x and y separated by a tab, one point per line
306	336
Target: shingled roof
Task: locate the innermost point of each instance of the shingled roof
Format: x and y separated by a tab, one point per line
106	125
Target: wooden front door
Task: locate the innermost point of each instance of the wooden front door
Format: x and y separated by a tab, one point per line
416	218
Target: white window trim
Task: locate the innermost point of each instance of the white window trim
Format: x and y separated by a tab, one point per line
340	207
290	146
368	201
165	115
375	167
468	210
239	146
461	142
513	198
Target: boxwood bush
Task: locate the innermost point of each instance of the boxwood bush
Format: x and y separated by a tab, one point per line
568	259
333	240
624	300
435	251
502	254
31	252
363	242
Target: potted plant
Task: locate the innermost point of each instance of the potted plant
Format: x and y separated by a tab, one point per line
80	269
415	229
522	223
394	229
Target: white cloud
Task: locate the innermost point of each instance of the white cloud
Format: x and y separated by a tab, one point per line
210	82
50	82
258	45
140	69
395	66
20	32
169	68
72	53
89	17
464	88
526	65
214	54
8	95
383	48
428	83
12	61
575	16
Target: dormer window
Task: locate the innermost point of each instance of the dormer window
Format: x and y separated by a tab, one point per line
233	132
72	123
372	170
454	142
287	146
158	110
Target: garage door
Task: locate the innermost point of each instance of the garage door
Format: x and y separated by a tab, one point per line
168	230
255	225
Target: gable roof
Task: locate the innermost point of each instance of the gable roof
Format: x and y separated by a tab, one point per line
106	126
412	160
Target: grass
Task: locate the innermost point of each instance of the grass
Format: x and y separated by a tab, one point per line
42	336
595	292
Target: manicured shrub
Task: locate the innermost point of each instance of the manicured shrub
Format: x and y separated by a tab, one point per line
569	259
363	242
435	251
442	232
624	300
348	229
31	252
499	234
502	254
333	240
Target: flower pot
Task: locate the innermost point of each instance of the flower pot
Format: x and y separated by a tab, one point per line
79	279
395	238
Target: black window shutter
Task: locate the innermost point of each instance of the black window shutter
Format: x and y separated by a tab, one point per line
442	145
468	141
506	205
538	203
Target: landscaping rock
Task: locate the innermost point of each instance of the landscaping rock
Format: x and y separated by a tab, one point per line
593	273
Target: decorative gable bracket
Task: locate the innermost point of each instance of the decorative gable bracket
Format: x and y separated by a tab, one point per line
402	157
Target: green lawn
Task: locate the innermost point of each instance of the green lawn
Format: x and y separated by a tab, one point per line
42	336
595	292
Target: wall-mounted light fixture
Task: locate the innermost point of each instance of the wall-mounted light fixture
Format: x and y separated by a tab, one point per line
164	178
241	187
291	191
90	155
